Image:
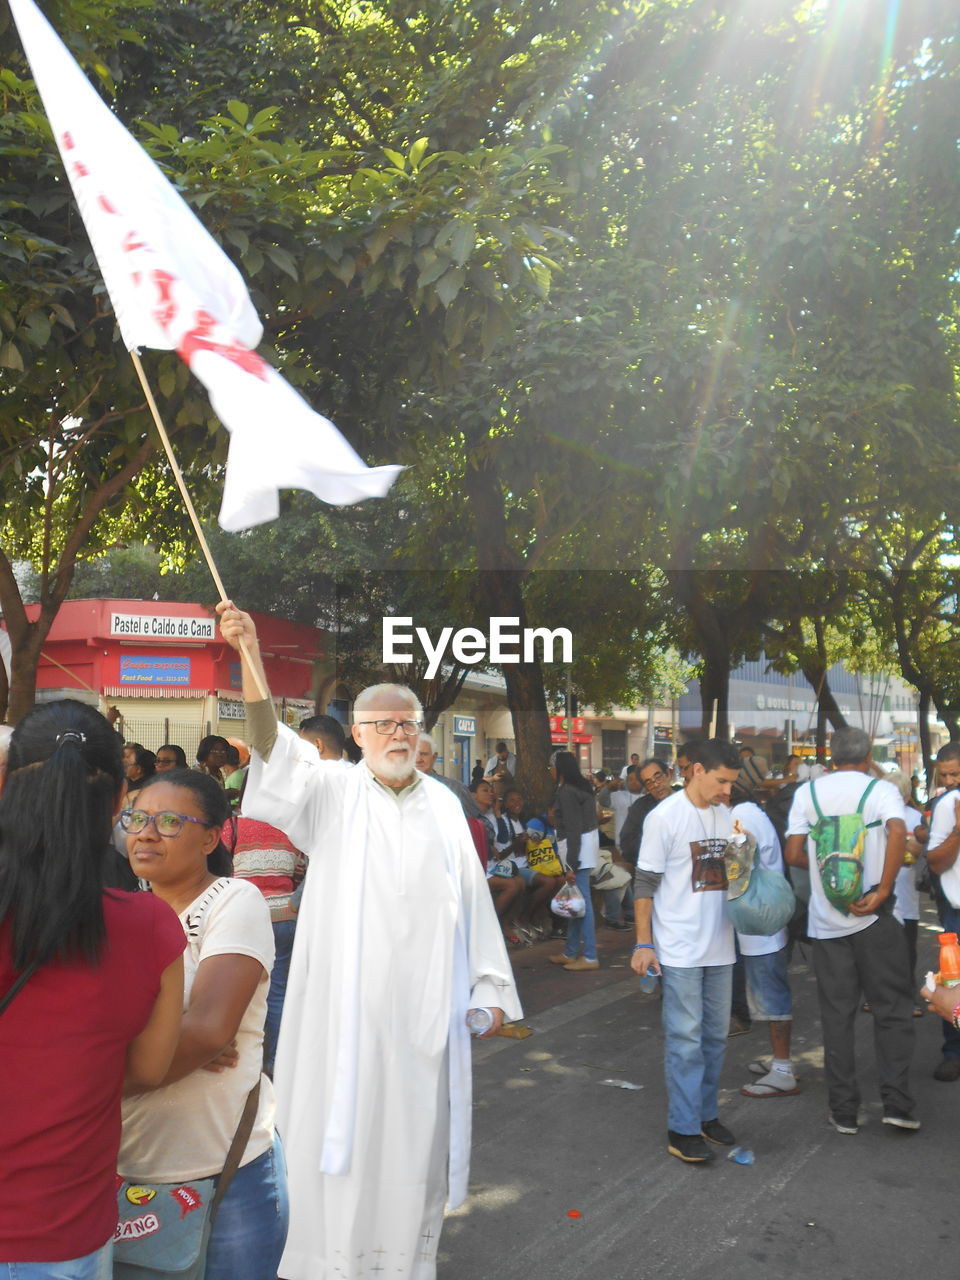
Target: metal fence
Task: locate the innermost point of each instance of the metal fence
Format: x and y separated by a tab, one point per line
156	733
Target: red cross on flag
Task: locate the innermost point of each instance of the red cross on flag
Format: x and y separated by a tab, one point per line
173	288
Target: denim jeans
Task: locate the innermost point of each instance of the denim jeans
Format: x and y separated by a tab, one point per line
583	928
251	1228
93	1266
284	932
696	1019
614	901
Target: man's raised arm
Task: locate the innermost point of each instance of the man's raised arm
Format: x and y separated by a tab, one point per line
240	632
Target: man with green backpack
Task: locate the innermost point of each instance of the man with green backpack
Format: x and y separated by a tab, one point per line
849	828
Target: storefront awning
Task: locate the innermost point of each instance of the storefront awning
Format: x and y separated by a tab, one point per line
152	691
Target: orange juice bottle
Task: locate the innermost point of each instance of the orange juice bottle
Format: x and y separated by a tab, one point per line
949	975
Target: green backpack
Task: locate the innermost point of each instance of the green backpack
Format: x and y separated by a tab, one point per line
840	841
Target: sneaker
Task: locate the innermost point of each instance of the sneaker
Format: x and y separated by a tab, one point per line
580	964
948	1069
688	1147
560	958
899	1119
844	1123
616	924
715	1132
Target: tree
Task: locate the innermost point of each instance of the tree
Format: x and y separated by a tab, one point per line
362	221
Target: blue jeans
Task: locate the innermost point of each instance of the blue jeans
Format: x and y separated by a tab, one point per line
613	903
251	1228
94	1266
696	1019
284	932
583	928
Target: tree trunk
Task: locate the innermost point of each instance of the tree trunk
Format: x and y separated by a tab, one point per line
923	732
714	648
715	694
821	731
816	674
949	718
26	644
500	590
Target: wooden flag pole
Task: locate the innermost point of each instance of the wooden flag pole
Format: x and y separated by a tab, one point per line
191	512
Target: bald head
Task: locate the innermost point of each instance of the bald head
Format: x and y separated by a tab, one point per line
380	696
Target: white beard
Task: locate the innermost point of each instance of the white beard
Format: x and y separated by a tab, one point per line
394	766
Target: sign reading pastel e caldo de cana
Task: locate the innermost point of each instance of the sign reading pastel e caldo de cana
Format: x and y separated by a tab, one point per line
505	643
161	626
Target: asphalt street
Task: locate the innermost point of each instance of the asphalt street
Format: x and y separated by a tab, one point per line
552	1134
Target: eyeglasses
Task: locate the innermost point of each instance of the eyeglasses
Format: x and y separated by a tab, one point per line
166	760
653	780
166	824
389	727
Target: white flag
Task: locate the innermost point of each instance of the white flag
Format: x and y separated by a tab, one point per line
173	288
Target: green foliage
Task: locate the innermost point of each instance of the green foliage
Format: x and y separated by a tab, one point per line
664	288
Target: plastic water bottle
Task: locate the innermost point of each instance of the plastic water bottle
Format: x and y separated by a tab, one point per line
650	981
479	1021
741	1156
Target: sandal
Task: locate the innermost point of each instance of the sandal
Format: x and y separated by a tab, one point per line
771	1087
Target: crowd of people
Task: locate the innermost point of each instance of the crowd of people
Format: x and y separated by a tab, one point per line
272	961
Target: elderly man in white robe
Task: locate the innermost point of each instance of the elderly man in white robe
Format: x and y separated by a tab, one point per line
397	941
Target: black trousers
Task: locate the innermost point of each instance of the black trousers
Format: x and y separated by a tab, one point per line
872	962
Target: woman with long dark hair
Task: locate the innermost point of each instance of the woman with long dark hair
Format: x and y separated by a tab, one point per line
184	1129
578	842
90	983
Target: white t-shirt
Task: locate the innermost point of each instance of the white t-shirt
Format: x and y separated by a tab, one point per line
685	844
770	857
184	1130
838	793
620	802
907	906
941	824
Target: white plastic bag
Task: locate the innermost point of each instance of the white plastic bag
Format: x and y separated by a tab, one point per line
568	902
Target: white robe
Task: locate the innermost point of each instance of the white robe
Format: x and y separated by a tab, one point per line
396	939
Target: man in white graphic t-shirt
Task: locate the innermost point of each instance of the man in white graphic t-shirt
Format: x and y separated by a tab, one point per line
859	948
680	892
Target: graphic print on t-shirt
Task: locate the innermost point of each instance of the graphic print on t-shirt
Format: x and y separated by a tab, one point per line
709	869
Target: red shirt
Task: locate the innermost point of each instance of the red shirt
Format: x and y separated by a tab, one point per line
63	1043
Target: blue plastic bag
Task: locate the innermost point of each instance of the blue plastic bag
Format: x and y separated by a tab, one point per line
766	905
